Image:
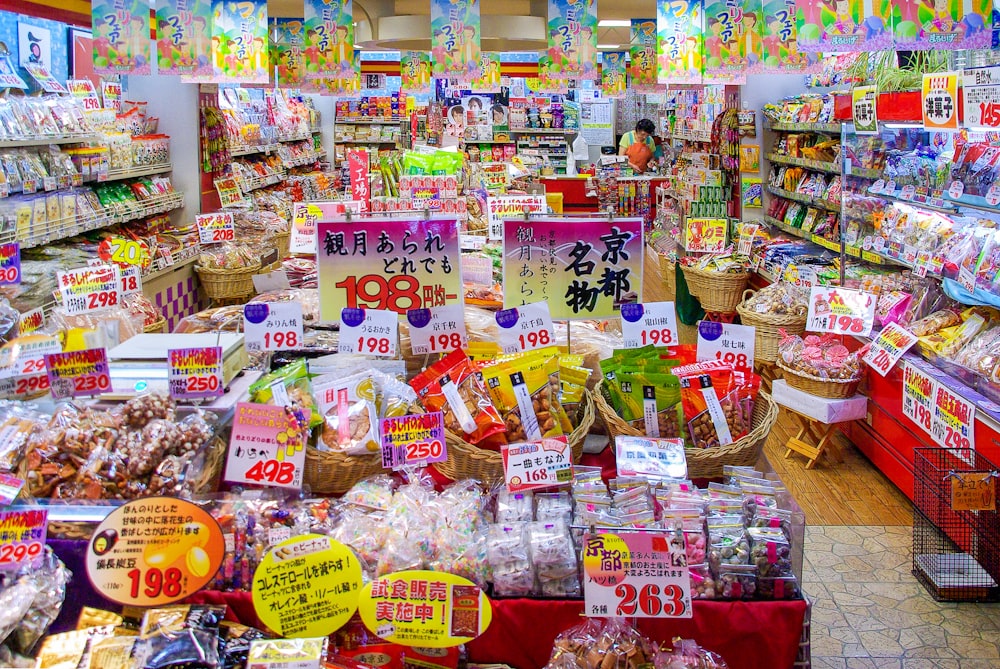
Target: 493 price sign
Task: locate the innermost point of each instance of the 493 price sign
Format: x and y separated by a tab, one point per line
840	311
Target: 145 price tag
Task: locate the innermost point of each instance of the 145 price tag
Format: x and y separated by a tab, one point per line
526	328
78	373
369	331
730	343
649	323
536	464
272	327
267	446
195	373
840	311
416	439
890	345
437	330
216	228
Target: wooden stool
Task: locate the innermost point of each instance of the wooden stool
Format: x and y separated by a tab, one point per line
817	418
808	428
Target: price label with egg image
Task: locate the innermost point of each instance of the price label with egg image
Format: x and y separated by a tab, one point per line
154	551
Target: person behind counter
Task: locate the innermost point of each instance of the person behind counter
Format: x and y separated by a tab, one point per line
638	145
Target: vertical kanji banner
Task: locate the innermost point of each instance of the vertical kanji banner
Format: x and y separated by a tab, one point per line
573	38
725	57
415	72
489	74
843	25
643	49
329	39
287	52
184	37
240	41
679	40
455	39
121	36
546	83
942	24
613	69
779	39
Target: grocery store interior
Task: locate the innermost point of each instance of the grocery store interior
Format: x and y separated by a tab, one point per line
448	334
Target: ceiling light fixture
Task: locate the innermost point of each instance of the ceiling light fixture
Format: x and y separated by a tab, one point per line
607	46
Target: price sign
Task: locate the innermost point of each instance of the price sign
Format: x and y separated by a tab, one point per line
864	109
747	234
83	90
840	311
305	216
369	332
23	535
953	421
216	228
413	440
502	207
967	279
195	373
981	98
272	327
179	555
357	166
131	280
939	101
730	343
649	323
890	187
877	187
890	345
974	491
918	396
267	446
993	195
125	252
636	574
111	92
89	288
643	456
78	373
230	193
23	372
956	189
10	264
908	192
537	464
437	330
525	328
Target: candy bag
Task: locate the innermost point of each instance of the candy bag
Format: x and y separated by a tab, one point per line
350	416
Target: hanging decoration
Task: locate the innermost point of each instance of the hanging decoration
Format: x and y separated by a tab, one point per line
546	83
643	54
121	36
184	37
942	24
415	72
455	38
489	68
724	51
573	39
613	69
329	38
680	41
779	43
287	51
240	42
844	25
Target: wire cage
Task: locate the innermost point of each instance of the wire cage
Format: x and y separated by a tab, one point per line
956	554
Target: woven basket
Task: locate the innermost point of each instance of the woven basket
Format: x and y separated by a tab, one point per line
336	473
830	388
768	329
668	270
159	326
225	284
281	242
716	291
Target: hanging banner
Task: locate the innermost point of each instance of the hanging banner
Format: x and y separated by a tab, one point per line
489	74
329	39
287	52
240	42
843	25
942	24
680	42
415	72
643	53
573	38
455	33
613	68
779	49
545	83
724	44
184	37
939	101
121	36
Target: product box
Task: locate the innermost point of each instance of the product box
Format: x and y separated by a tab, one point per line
820	409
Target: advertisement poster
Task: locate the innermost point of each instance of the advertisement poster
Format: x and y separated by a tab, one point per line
583	268
546	83
455	38
752	192
843	25
329	39
613	69
942	24
680	31
184	37
643	54
727	30
501	207
239	35
779	40
489	74
287	55
573	38
939	101
121	36
392	264
415	72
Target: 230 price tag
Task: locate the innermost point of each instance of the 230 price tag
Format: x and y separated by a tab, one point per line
890	345
78	373
730	343
840	311
216	228
274	326
438	329
649	323
525	328
195	373
369	332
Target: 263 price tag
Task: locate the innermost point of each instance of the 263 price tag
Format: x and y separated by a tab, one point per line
840	311
649	323
369	332
437	329
890	345
536	464
730	343
525	328
216	228
195	373
275	326
78	373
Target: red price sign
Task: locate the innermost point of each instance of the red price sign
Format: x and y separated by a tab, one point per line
369	331
131	281
357	165
10	264
890	345
918	396
412	440
840	311
78	373
89	288
24	536
267	447
953	421
125	252
271	472
216	228
195	373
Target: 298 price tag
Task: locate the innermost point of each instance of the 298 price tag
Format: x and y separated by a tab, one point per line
840	311
437	330
274	326
89	288
369	332
195	373
649	323
216	228
525	328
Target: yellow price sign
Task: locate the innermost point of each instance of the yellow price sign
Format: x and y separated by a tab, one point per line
123	251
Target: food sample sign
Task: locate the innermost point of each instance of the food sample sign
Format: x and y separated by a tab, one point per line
388	264
583	267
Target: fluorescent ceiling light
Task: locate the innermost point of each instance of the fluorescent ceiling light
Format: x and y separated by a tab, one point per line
607	46
614	23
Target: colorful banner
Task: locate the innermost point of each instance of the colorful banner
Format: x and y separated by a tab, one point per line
184	37
415	72
643	53
584	268
573	39
725	43
680	41
240	42
545	83
779	42
843	25
942	24
393	264
489	74
267	446
939	101
287	51
121	36
455	37
329	39
613	74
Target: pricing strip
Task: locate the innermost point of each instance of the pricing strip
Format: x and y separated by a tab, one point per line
89	289
530	465
437	329
953	422
890	345
919	391
131	280
274	326
24	531
267	446
649	323
525	328
973	491
735	344
967	279
369	331
747	233
840	311
216	228
23	373
416	439
10	264
125	252
78	373
195	373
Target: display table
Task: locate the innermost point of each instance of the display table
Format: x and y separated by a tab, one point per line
817	418
574	192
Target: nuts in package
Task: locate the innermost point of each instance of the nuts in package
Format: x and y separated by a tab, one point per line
349	413
521	391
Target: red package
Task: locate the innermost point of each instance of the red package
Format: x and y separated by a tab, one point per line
454	386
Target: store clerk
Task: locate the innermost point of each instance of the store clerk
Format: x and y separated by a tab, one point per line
638	145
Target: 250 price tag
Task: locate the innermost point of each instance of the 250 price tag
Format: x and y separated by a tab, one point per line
525	328
437	330
840	311
536	464
216	228
413	440
195	373
369	332
275	326
78	373
649	323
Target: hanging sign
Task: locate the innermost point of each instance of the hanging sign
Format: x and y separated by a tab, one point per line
613	70
779	41
843	25
121	36
184	37
84	92
864	109
939	101
357	167
305	215
415	72
980	103
680	43
643	55
500	207
22	540
230	193
437	330
78	373
840	311
725	46
329	39
730	343
525	328
455	38
890	345
195	373
488	80
288	52
369	332
267	446
942	25
918	396
276	326
649	323
572	33
9	78
240	42
974	491
585	268
414	440
953	423
532	465
215	228
10	264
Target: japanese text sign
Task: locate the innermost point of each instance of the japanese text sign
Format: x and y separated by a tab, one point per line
939	101
121	37
10	486
918	396
572	33
864	109
392	264
154	551
329	41
357	166
78	373
195	373
275	326
455	39
525	328
216	228
368	331
502	207
131	280
890	345
730	343
649	323
537	464
654	458
981	99
305	216
636	574
706	234
584	268
953	423
974	491
89	288
417	439
230	193
30	321
428	609
84	92
266	447
22	365
287	653
125	252
184	37
10	264
22	536
437	330
840	311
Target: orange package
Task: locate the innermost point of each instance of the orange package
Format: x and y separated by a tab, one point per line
710	398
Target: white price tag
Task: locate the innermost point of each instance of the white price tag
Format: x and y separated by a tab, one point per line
272	327
840	311
437	329
919	390
967	279
216	228
877	187
369	331
537	464
956	189
953	422
526	328
89	288
730	343
993	194
890	188
642	456
131	280
195	373
890	345
908	192
267	446
649	323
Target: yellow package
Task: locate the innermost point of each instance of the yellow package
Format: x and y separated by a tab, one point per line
521	391
482	351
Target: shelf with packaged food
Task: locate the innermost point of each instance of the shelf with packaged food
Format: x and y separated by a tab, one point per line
134	172
251	149
818	165
822	203
831	128
45	141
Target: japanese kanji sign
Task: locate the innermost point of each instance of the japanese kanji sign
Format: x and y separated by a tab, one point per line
393	264
939	101
266	446
584	268
305	215
953	423
22	536
981	98
500	207
865	112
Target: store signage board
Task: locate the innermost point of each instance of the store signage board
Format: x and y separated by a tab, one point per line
525	328
437	330
974	491
748	231
89	289
636	575
840	311
216	228
357	166
195	373
650	457
649	323
10	264
267	446
865	109
501	207
78	373
369	332
919	391
179	556
394	264
980	100
276	326
735	344
415	440
939	101
890	345
533	465
23	373
583	267
23	541
953	423
85	93
305	216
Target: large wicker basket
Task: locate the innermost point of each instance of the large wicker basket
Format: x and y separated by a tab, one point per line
768	329
225	284
716	291
281	242
668	270
830	388
159	326
335	473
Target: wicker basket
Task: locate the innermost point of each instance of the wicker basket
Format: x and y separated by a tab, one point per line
716	291
281	242
768	329
225	284
335	473
668	270
159	326
830	388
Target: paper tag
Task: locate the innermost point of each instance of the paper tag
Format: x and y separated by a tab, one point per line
266	447
640	456
993	194
908	192
956	189
10	264
23	539
890	188
735	344
78	373
529	421
747	234
840	311
457	404
973	491
413	440
275	535
131	281
967	279
649	418
890	345
953	422
537	464
195	373
877	187
919	390
10	487
275	326
369	331
216	228
649	323
89	288
715	411
437	329
525	328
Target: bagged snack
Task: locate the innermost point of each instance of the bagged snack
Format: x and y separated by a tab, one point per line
522	394
728	543
349	413
288	386
712	410
453	385
554	559
770	552
652	403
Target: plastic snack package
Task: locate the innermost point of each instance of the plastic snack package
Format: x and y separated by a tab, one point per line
702	581
554	559
574	643
770	551
778	587
507	553
652	403
512	507
288	386
552	506
180	635
728	542
687	654
736	581
350	414
521	392
712	413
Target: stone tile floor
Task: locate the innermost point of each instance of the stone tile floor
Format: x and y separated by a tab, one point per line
869	612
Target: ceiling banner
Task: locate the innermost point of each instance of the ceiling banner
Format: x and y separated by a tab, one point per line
121	36
287	52
240	42
642	71
942	24
844	25
329	39
455	39
184	37
573	39
680	41
613	69
415	72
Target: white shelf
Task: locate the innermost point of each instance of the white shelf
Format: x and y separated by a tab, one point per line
248	150
45	141
133	172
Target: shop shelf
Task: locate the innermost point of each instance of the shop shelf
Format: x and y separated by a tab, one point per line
692	135
248	150
805	199
367	121
864	172
806	127
818	165
551	131
44	141
134	172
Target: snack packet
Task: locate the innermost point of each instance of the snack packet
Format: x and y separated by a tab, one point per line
453	385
